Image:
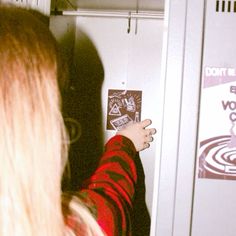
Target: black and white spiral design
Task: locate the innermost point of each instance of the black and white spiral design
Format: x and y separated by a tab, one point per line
217	158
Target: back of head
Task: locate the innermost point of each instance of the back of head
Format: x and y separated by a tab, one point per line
33	140
32	134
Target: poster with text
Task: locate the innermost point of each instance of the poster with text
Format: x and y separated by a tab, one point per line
123	106
217	124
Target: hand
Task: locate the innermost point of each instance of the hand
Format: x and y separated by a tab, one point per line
138	134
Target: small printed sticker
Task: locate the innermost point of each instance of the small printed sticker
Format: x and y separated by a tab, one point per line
115	110
123	106
120	122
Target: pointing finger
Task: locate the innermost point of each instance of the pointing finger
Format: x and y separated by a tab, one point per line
146	123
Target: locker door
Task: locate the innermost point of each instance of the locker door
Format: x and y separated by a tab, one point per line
182	73
214	205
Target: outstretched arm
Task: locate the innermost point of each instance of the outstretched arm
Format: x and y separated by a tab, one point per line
109	192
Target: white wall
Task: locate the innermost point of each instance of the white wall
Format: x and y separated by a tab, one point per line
133	62
130	62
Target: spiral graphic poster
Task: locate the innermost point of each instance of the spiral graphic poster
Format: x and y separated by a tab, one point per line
217	124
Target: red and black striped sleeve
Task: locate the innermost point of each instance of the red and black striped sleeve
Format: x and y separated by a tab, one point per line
109	191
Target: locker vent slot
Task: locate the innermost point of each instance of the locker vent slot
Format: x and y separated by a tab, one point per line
225	6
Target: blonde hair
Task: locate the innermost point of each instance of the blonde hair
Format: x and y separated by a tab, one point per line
33	138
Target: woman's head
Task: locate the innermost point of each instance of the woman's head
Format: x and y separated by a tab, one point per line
33	139
32	133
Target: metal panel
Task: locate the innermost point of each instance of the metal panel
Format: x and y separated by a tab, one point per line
182	81
170	129
214	209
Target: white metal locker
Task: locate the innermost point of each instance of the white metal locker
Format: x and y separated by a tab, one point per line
197	173
214	205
